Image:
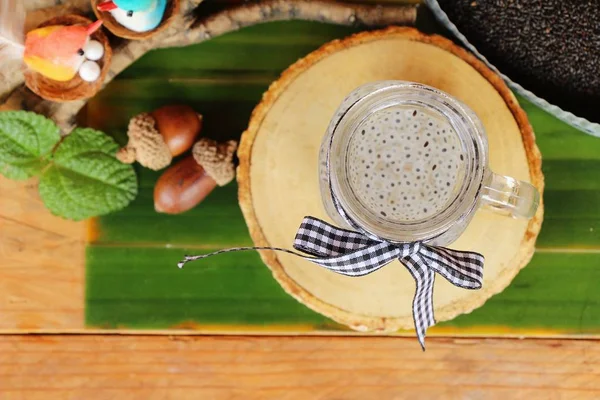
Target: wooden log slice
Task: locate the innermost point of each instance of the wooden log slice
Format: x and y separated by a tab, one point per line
119	30
76	88
278	181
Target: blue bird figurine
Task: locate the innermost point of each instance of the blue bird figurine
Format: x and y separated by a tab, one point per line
136	15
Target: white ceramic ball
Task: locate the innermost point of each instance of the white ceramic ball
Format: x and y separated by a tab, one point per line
89	71
93	50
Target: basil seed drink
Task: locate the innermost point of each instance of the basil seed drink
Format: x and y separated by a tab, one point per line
405	163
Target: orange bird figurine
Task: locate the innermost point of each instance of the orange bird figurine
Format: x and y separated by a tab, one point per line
57	51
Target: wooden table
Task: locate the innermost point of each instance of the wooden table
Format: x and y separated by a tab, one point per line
97	310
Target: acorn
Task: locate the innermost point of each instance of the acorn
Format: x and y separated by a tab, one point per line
156	137
184	185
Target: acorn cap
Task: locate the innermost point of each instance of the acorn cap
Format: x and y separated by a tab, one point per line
216	159
146	145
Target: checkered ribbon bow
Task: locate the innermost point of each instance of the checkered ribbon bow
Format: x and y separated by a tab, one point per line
354	254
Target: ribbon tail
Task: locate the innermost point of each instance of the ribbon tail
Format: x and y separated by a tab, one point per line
461	268
423	301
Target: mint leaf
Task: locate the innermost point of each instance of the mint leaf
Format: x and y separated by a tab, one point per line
26	140
85	179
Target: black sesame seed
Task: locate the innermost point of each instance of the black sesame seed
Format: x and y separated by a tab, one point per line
568	54
414	113
426	144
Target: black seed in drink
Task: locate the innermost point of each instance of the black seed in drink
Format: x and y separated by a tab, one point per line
414	165
550	47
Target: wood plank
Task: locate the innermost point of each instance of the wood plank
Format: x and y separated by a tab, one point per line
41	262
157	367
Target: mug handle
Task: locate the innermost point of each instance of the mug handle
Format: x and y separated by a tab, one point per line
509	196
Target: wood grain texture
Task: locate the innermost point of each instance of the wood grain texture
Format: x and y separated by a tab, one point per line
287	368
42	260
285	134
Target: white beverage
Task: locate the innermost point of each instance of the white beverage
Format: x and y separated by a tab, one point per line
405	164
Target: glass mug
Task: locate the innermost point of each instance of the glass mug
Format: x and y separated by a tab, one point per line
408	162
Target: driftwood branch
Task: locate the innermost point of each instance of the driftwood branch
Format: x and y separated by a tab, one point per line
193	27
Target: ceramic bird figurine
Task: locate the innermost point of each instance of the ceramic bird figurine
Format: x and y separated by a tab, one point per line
136	15
57	51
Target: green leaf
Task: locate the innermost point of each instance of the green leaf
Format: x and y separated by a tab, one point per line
26	140
85	179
